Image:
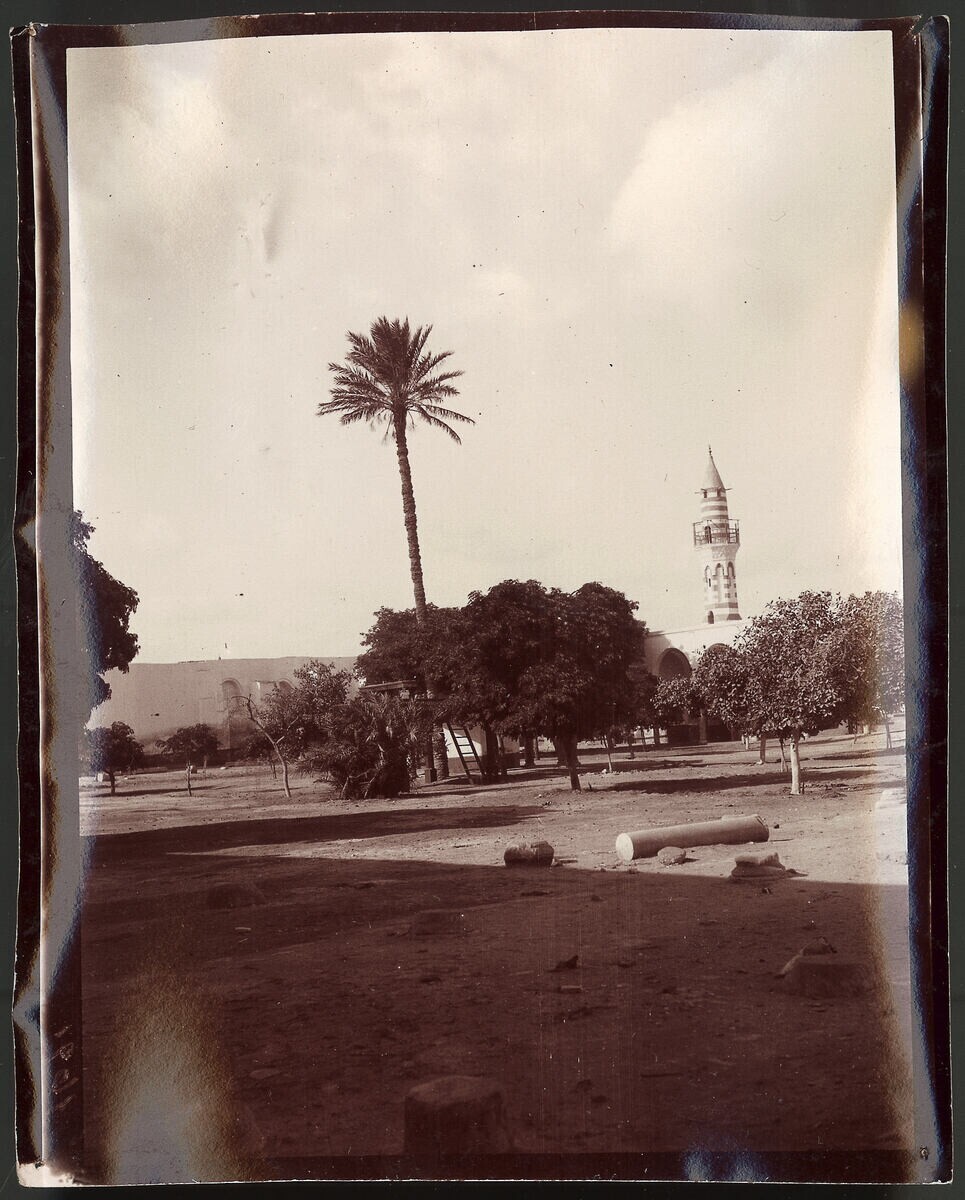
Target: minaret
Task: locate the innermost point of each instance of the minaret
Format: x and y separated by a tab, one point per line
717	540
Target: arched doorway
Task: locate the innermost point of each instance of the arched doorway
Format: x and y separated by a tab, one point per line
674	664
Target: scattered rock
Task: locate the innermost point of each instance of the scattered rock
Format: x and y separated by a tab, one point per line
821	977
597	899
438	920
430	978
536	892
532	854
569	989
234	895
752	867
672	856
567	964
264	1072
820	945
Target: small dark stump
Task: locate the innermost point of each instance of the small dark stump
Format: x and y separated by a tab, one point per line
455	1116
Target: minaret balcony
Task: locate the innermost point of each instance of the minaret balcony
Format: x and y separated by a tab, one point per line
715	533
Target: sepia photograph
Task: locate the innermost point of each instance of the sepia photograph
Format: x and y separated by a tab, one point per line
476	542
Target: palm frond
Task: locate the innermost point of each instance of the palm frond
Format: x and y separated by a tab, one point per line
429	362
437	424
445	414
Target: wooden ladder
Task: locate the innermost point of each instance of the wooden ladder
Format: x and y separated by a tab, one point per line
466	749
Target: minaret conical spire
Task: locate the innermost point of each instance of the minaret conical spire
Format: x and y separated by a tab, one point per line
717	540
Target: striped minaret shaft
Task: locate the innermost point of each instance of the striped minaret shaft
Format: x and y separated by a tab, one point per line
716	540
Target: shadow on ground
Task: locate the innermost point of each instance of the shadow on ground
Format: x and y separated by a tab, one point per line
627	1016
226	835
764	777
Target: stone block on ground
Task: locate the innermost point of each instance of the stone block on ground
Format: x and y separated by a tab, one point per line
751	868
529	854
456	1115
438	921
234	895
672	856
825	978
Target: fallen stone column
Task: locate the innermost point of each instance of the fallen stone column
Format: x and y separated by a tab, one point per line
645	843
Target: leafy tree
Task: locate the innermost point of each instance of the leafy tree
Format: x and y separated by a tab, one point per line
674	701
389	378
191	744
521	659
105	609
551	662
368	745
398	646
870	653
290	718
113	748
792	654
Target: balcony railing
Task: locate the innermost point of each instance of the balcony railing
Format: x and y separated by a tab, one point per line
709	533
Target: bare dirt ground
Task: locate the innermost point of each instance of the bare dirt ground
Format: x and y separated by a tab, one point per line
267	1039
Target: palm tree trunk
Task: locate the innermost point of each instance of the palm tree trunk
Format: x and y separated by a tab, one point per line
409	517
437	742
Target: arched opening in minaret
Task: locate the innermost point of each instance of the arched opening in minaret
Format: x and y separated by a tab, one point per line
708	534
710	618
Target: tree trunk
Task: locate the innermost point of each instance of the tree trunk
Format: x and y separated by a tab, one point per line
888	733
529	750
110	776
441	753
572	762
284	768
187	776
656	736
797	787
702	727
780	742
560	752
409	517
630	743
608	746
762	752
488	767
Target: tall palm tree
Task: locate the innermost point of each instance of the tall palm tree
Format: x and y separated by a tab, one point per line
389	378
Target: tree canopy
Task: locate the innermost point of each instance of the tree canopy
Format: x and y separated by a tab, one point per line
524	659
191	744
871	655
113	748
389	378
105	609
806	663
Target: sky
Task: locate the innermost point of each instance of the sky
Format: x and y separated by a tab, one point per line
636	243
